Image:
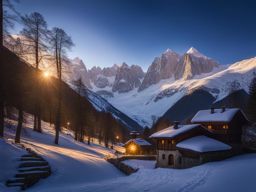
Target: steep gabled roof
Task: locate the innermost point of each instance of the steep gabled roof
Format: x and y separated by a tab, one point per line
203	144
170	132
217	116
139	141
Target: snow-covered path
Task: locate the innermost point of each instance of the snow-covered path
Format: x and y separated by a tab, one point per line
81	168
236	174
72	163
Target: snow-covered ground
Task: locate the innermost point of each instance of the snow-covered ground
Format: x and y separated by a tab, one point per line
235	174
9	154
73	163
79	167
141	164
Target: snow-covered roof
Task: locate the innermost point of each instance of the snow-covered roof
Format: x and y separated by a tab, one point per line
170	132
139	141
217	116
203	144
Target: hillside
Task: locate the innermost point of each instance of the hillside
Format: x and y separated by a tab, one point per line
79	167
20	89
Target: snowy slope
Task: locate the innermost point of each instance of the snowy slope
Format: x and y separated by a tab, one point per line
79	167
103	105
8	158
73	163
236	174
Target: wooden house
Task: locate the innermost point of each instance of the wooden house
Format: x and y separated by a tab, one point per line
182	146
138	146
224	124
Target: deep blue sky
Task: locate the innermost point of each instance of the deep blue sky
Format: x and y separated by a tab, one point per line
135	31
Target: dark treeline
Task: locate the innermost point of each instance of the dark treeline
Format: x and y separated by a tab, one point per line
77	113
24	86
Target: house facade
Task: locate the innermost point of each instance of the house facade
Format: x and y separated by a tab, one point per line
212	135
138	146
224	124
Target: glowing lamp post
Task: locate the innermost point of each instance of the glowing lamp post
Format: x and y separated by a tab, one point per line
117	138
68	124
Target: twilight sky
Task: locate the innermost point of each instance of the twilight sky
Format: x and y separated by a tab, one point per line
135	31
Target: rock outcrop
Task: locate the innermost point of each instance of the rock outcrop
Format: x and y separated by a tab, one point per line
163	67
127	78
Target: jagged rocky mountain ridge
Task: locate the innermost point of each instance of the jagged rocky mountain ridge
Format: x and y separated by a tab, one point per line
146	97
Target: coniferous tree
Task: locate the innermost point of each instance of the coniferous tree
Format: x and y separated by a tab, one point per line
80	89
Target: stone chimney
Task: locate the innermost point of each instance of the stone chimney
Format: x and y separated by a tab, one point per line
212	110
223	109
176	125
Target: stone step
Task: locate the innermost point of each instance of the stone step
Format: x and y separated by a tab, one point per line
15	184
30	155
15	180
28	169
31	174
31	180
31	159
33	164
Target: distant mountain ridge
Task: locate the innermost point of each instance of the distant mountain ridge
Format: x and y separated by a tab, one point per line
169	80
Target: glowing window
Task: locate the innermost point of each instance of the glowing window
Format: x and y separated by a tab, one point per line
225	126
173	142
132	148
209	126
162	141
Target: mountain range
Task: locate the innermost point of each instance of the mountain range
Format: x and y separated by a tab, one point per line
171	78
173	87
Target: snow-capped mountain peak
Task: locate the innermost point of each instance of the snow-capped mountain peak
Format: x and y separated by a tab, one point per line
169	51
193	51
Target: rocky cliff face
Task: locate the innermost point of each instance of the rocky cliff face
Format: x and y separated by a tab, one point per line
101	78
170	64
163	67
127	78
75	69
194	63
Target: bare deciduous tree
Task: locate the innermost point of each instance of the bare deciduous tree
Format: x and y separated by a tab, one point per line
60	43
6	20
35	37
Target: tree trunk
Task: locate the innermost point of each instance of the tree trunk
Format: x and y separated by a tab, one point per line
1	46
35	122
1	118
76	133
81	135
1	24
18	130
89	140
39	128
58	115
